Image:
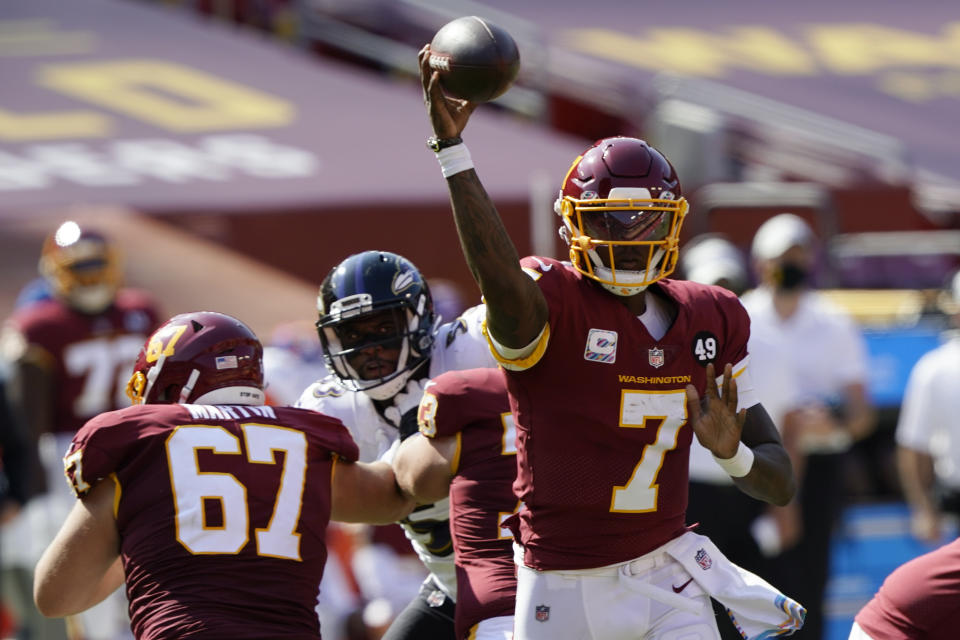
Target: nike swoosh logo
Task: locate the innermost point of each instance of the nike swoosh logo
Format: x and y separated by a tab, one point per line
677	589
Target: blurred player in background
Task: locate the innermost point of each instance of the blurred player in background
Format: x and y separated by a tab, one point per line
928	431
69	356
827	354
233	545
467	448
383	342
607	362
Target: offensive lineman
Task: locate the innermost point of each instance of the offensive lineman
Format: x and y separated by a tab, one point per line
467	448
210	506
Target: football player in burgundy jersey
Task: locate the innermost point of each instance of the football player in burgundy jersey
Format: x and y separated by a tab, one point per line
920	600
70	356
467	448
210	506
382	342
611	370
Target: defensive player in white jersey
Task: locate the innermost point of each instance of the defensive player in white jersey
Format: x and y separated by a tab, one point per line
383	342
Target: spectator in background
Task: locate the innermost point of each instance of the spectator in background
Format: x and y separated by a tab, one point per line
711	258
928	431
826	353
746	529
70	356
918	601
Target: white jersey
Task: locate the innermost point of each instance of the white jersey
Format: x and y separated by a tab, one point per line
458	345
928	415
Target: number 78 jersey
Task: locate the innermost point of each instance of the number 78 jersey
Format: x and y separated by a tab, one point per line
222	512
602	432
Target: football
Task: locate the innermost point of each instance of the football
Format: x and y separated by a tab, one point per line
476	60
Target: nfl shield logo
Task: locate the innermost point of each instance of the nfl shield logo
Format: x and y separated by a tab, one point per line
543	613
655	357
703	559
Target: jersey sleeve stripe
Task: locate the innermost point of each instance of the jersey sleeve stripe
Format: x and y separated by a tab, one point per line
455	458
520	364
117	493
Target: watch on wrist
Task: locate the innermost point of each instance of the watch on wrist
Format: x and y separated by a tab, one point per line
437	144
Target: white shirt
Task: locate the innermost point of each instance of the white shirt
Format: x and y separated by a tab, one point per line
458	345
820	342
930	414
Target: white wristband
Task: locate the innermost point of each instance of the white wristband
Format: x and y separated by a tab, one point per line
454	159
740	464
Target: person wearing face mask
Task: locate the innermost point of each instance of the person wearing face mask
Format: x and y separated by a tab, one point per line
69	354
826	352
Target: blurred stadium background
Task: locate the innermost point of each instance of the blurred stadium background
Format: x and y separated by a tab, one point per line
237	149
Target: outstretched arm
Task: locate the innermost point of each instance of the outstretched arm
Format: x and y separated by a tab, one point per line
516	309
425	466
721	429
367	492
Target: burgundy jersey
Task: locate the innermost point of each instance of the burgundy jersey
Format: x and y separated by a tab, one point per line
602	434
222	513
90	357
472	406
920	600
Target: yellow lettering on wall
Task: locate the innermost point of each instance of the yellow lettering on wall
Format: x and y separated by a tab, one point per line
866	48
697	52
52	125
38	37
764	50
920	87
907	85
166	94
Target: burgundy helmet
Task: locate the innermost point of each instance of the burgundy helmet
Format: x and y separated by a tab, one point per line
201	357
622	193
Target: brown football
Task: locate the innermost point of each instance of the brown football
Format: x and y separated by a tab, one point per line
476	59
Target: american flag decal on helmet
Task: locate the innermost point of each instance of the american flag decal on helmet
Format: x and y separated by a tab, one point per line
226	362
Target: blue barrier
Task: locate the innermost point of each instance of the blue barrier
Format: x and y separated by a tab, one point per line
870	542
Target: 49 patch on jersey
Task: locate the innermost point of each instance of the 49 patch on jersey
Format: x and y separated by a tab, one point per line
705	348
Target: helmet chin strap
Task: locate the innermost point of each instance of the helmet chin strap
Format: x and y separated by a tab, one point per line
152	376
187	389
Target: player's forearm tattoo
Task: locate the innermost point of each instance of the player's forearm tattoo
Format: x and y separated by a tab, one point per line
485	242
488	250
